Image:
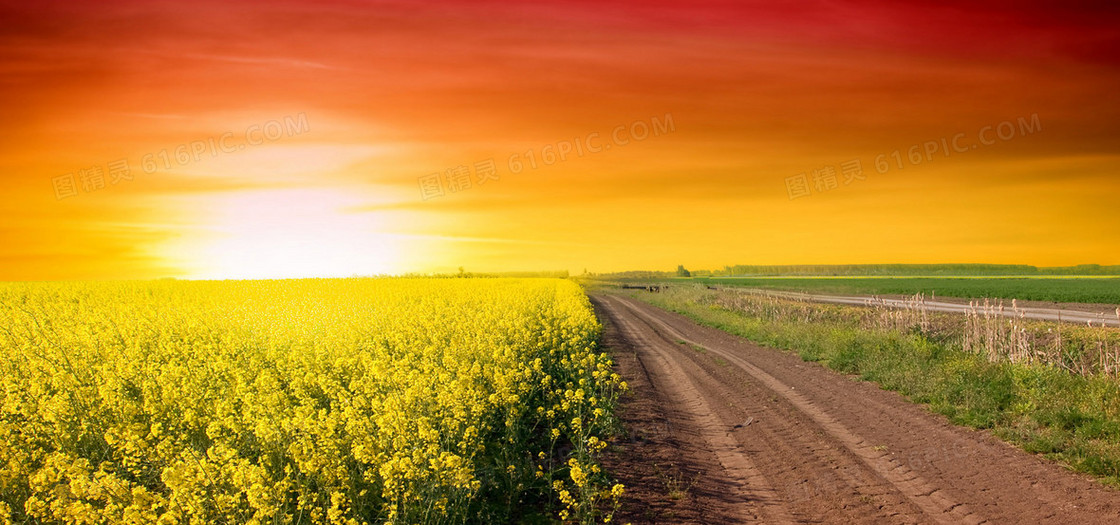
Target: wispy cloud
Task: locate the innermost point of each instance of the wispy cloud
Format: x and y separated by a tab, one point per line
158	116
261	61
480	240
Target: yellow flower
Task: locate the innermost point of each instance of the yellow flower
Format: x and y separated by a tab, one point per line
338	400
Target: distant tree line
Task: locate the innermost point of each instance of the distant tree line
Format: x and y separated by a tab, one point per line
917	270
870	270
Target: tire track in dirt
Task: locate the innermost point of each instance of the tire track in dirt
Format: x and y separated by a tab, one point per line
816	481
1017	485
884	459
932	501
756	497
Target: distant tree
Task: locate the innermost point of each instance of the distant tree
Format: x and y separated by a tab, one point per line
681	272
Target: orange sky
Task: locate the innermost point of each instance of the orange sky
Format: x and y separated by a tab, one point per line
316	124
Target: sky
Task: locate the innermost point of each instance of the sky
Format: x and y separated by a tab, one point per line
299	138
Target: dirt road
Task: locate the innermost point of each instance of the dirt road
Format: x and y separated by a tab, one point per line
723	431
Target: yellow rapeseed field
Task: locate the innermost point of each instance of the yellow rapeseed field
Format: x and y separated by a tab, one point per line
303	401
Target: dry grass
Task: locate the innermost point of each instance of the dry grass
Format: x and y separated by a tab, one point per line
986	329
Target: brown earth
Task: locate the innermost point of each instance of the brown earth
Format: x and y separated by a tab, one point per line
719	430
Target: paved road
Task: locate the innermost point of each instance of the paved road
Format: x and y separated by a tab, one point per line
1101	318
763	437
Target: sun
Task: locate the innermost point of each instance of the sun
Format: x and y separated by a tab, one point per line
290	233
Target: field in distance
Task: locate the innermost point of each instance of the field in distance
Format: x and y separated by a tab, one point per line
1063	289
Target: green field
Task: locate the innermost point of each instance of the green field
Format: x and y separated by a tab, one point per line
1083	289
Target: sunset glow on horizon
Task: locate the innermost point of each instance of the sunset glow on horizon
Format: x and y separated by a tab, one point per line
306	139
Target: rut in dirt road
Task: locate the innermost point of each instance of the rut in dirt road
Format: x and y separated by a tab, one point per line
799	443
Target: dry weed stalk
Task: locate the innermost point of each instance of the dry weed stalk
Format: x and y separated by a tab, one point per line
987	328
